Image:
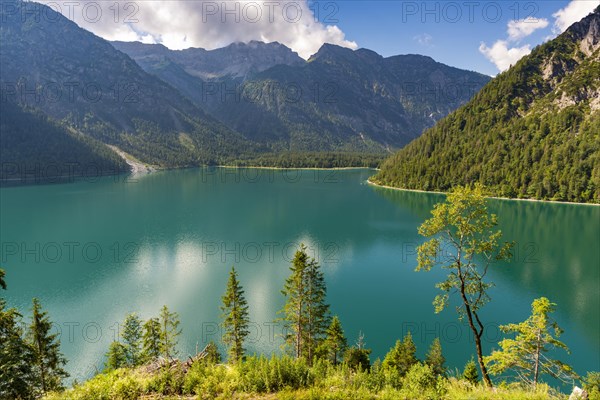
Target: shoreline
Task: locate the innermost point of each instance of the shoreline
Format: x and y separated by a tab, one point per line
489	197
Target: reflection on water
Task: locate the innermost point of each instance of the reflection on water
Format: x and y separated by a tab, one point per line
171	237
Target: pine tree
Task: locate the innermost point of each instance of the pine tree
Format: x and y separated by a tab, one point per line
357	356
212	353
305	312
235	317
132	339
2	282
48	360
526	354
335	342
435	358
470	372
17	379
116	357
151	349
402	356
169	332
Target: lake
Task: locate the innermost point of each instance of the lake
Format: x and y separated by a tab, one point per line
96	249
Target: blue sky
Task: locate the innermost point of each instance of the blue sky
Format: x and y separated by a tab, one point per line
448	31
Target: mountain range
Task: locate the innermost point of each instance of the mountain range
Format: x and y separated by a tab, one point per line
176	108
532	132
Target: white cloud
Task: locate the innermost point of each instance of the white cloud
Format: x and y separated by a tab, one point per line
519	29
573	12
503	56
424	39
206	24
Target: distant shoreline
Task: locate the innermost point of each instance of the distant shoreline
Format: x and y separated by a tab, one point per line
489	197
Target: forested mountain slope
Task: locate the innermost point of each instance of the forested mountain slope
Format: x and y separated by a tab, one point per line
532	132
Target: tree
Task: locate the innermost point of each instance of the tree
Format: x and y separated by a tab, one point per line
335	342
151	348
435	358
402	356
212	353
305	312
2	282
169	332
235	317
464	243
48	362
116	357
470	372
132	339
357	356
16	357
526	354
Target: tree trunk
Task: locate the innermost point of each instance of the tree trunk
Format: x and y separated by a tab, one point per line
536	366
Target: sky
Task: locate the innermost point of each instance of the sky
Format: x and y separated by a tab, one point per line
483	36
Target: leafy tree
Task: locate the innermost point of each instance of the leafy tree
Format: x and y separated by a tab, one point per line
402	356
470	372
435	358
169	332
17	378
116	357
335	343
132	339
305	313
357	356
591	384
151	347
463	243
235	317
526	354
48	362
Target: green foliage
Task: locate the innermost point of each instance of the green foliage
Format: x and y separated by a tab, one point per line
48	362
335	343
532	132
235	317
116	357
169	332
17	378
422	382
463	228
151	347
2	282
526	354
435	358
305	313
470	372
402	356
357	356
212	354
591	384
132	339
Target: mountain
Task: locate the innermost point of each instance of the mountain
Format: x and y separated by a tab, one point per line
236	61
339	100
81	80
34	148
532	132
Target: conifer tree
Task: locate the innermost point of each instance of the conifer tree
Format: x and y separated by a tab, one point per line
235	317
402	356
151	348
305	312
169	332
116	357
527	353
335	342
357	356
435	358
132	339
48	362
2	282
17	379
470	372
